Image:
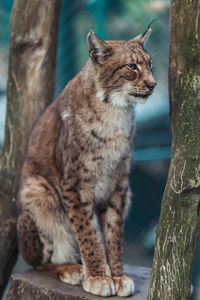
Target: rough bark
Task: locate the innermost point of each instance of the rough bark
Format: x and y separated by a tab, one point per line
179	220
34	285
32	54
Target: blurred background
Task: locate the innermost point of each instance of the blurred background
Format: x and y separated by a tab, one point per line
117	19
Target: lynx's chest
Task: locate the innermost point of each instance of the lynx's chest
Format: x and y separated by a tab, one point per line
115	142
112	135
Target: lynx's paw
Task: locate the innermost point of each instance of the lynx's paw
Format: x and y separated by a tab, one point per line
124	286
99	285
71	273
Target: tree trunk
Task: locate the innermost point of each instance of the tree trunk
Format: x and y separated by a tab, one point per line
32	55
179	221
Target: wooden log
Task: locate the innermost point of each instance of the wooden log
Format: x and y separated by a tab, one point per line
33	285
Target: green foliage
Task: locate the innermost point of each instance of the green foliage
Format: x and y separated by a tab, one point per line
5	9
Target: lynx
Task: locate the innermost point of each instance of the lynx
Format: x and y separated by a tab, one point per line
74	192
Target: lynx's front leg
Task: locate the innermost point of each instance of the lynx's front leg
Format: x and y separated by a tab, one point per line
112	222
97	277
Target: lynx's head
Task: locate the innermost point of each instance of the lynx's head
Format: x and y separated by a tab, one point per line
123	69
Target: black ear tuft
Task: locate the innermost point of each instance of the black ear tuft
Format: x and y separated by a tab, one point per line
144	36
149	27
99	50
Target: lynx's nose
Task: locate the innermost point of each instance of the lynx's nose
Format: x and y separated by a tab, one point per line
151	85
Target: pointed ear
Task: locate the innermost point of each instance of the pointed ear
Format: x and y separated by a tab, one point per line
98	49
142	38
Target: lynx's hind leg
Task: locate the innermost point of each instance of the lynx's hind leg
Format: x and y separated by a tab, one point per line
70	273
34	247
40	201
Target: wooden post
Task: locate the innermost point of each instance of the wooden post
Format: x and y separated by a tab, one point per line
180	215
32	55
33	285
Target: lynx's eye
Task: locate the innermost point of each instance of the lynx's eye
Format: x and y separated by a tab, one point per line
132	67
151	65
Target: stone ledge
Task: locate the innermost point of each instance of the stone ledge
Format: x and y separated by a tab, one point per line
33	285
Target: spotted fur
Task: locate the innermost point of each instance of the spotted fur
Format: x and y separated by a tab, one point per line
74	192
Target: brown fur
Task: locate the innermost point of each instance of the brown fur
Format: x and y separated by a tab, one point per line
74	191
